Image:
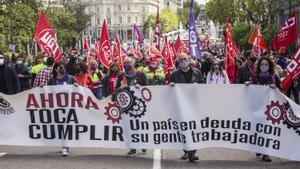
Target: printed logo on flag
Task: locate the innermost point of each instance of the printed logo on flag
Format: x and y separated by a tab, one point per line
5	107
48	42
106	51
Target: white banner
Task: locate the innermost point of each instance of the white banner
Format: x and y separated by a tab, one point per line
253	118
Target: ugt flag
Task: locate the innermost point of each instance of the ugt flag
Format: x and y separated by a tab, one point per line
45	37
193	35
288	33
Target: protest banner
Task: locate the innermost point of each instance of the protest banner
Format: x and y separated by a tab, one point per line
186	116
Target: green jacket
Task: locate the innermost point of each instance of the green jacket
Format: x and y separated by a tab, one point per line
155	78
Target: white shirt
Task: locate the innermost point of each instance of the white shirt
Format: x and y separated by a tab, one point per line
217	78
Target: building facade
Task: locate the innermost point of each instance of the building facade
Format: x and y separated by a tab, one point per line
121	15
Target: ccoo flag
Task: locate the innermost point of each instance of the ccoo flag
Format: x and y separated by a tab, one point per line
45	37
193	35
105	53
288	33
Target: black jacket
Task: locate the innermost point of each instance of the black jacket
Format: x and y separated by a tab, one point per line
24	81
178	77
11	80
243	74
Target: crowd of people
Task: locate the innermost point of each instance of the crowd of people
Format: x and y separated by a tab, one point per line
21	73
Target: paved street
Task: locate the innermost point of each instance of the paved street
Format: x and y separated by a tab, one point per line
92	158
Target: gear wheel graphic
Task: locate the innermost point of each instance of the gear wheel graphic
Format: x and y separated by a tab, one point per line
275	112
291	120
298	131
146	94
113	112
139	109
125	99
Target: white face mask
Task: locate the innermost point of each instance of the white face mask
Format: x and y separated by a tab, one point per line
19	62
45	59
1	62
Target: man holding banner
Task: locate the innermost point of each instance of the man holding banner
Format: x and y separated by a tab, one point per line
186	74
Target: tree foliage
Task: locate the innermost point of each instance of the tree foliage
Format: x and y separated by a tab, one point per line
168	20
244	14
183	13
18	19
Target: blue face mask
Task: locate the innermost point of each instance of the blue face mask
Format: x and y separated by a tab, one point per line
264	68
153	65
184	64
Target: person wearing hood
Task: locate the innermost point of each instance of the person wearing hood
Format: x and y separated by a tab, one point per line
9	82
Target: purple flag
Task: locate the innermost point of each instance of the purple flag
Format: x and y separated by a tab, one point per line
193	35
138	34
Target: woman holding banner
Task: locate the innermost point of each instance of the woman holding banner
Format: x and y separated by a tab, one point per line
60	77
217	75
265	75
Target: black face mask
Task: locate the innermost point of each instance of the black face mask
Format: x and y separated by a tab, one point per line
253	60
77	70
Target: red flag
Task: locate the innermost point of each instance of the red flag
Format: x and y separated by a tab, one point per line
157	30
86	46
173	52
154	52
184	47
165	50
137	52
257	40
168	64
231	52
293	69
288	33
122	58
105	53
117	49
177	44
45	37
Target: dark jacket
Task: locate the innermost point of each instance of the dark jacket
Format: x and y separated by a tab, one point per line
52	80
106	85
178	77
24	81
244	74
11	80
70	66
140	78
271	79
